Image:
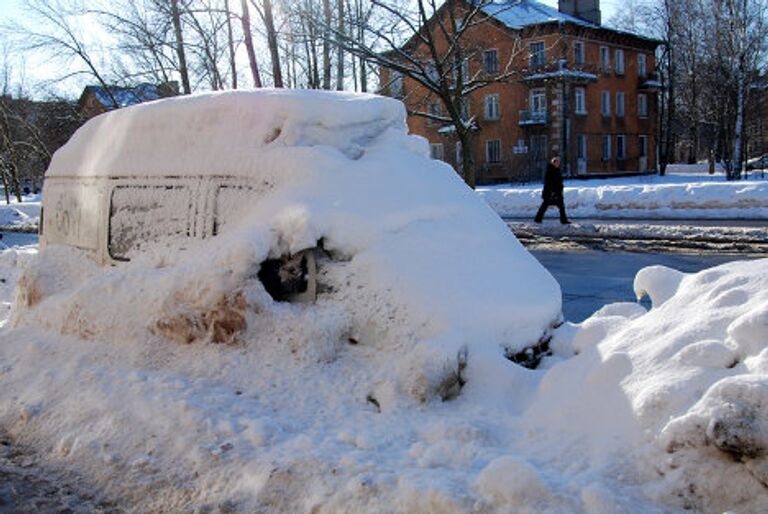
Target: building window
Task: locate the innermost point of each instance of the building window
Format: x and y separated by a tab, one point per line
464	108
396	84
432	72
581	100
578	53
434	109
619	61
642	105
538	54
620	104
621	147
491	61
605	59
464	66
641	69
436	151
493	151
491	109
643	146
606	148
605	103
538	100
581	148
459	156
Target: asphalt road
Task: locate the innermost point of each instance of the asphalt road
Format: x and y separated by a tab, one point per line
590	279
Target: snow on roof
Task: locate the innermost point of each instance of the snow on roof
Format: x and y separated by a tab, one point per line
518	14
222	133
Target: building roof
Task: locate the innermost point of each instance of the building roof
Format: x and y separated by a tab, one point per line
518	14
123	96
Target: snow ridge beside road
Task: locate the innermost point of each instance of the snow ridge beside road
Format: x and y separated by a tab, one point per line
687	196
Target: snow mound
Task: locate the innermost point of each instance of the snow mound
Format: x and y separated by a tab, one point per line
658	282
673	400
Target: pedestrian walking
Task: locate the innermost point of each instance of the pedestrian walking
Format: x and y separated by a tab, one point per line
552	193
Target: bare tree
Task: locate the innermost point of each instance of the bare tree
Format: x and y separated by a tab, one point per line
248	38
430	45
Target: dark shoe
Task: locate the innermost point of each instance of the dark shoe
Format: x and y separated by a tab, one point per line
566	222
536	221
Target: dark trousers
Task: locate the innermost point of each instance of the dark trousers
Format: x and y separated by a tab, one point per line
558	201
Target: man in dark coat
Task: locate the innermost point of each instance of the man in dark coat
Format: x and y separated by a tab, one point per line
552	194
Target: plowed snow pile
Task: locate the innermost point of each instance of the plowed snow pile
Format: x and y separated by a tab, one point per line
175	383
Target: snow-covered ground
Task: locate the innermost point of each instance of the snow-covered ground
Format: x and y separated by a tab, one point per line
685	192
21	216
391	393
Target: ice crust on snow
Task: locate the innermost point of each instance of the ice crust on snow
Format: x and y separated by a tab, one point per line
321	407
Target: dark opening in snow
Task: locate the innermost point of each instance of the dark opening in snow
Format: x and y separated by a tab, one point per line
290	278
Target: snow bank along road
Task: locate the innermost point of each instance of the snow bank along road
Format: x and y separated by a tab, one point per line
678	195
433	373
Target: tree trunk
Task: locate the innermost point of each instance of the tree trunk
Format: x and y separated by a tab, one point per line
467	158
326	45
176	20
6	188
274	54
340	57
246	18
231	43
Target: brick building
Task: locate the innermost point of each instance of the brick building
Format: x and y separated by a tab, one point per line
580	90
95	100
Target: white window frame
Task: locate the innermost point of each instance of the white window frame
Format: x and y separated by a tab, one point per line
434	108
537	100
491	107
643	145
581	146
620	103
538	57
619	58
605	103
642	105
621	147
606	148
642	69
495	68
436	151
464	72
489	143
578	53
396	89
605	58
580	96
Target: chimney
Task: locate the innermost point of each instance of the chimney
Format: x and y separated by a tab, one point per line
587	10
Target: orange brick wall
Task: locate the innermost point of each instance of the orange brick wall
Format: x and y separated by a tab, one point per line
514	97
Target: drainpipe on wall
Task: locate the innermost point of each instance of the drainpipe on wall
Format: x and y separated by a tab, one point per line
564	143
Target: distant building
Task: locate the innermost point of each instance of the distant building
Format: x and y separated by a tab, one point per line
97	99
584	92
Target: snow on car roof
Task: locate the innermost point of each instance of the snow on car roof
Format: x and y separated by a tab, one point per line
222	133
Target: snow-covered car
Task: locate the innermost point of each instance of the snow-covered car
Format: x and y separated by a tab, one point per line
758	163
246	200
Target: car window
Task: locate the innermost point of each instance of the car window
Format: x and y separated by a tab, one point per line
231	204
143	215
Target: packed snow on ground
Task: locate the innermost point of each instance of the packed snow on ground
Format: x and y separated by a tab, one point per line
685	192
20	216
355	403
